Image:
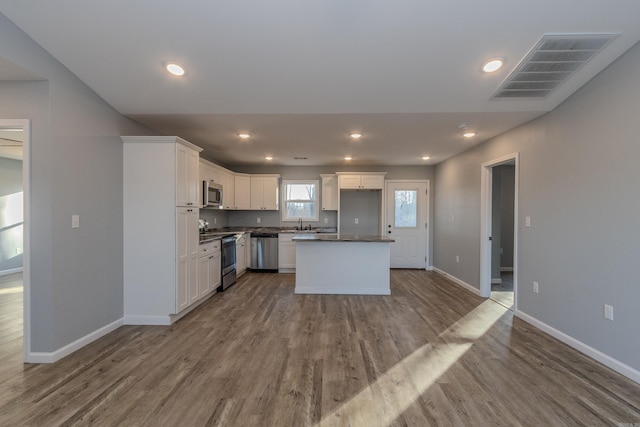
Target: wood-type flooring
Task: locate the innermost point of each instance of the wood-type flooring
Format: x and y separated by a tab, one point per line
429	354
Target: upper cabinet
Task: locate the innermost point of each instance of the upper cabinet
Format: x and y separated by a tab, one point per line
242	191
361	180
329	192
264	192
187	177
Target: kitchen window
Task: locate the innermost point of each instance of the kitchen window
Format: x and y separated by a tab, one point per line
300	200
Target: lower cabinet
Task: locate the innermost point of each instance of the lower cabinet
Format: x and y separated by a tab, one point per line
241	255
286	253
209	265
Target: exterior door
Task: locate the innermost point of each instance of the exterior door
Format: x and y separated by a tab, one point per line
407	223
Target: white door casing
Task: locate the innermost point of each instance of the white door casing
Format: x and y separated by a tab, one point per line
407	222
486	178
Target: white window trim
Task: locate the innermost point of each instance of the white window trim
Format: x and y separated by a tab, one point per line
315	182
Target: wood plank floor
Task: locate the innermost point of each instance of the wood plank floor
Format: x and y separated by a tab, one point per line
259	355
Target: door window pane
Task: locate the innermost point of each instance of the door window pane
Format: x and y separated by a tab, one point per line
406	208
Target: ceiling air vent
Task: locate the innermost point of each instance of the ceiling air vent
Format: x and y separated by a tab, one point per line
550	63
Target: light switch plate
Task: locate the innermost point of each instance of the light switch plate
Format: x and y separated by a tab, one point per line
75	221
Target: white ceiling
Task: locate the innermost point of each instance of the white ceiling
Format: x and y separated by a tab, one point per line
301	75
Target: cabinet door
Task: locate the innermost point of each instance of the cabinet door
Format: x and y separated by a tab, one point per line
329	192
241	262
215	268
182	165
228	190
182	252
187	161
193	178
243	191
193	248
204	281
270	191
257	192
373	182
286	251
349	181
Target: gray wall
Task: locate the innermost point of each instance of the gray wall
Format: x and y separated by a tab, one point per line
363	205
578	183
10	232
76	168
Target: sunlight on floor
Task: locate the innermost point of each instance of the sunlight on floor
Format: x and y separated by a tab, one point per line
403	384
14	290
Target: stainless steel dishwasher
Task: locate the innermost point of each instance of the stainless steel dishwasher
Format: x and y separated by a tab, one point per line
264	251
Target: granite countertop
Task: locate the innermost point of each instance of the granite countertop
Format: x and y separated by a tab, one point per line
341	238
218	233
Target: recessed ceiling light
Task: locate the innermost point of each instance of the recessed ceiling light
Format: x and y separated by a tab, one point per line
492	65
469	134
347	158
268	158
425	157
244	135
356	135
175	69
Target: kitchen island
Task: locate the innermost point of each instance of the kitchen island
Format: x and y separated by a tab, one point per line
342	264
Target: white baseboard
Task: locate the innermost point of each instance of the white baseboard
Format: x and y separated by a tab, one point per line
606	360
506	269
341	291
147	320
457	281
164	320
496	281
52	357
429	268
10	271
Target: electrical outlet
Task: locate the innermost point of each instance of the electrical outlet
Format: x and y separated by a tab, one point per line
452	218
215	220
535	287
75	221
356	220
326	220
527	221
259	220
608	312
457	258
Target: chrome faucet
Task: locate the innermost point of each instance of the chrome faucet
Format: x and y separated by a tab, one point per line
300	224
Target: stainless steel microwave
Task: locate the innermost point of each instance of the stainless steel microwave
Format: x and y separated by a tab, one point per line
211	194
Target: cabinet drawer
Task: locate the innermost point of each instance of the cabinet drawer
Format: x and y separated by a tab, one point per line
215	246
204	248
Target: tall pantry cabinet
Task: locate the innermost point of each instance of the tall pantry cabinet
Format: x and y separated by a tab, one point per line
161	209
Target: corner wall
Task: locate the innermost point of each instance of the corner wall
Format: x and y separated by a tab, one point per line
76	283
579	184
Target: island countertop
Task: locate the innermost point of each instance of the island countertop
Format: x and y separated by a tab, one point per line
340	238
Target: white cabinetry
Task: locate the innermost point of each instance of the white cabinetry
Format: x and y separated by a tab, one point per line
209	265
329	192
286	253
228	189
361	180
186	175
243	191
241	255
160	224
264	192
187	257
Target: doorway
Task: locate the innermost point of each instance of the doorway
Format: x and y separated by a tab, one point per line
407	222
499	230
14	261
